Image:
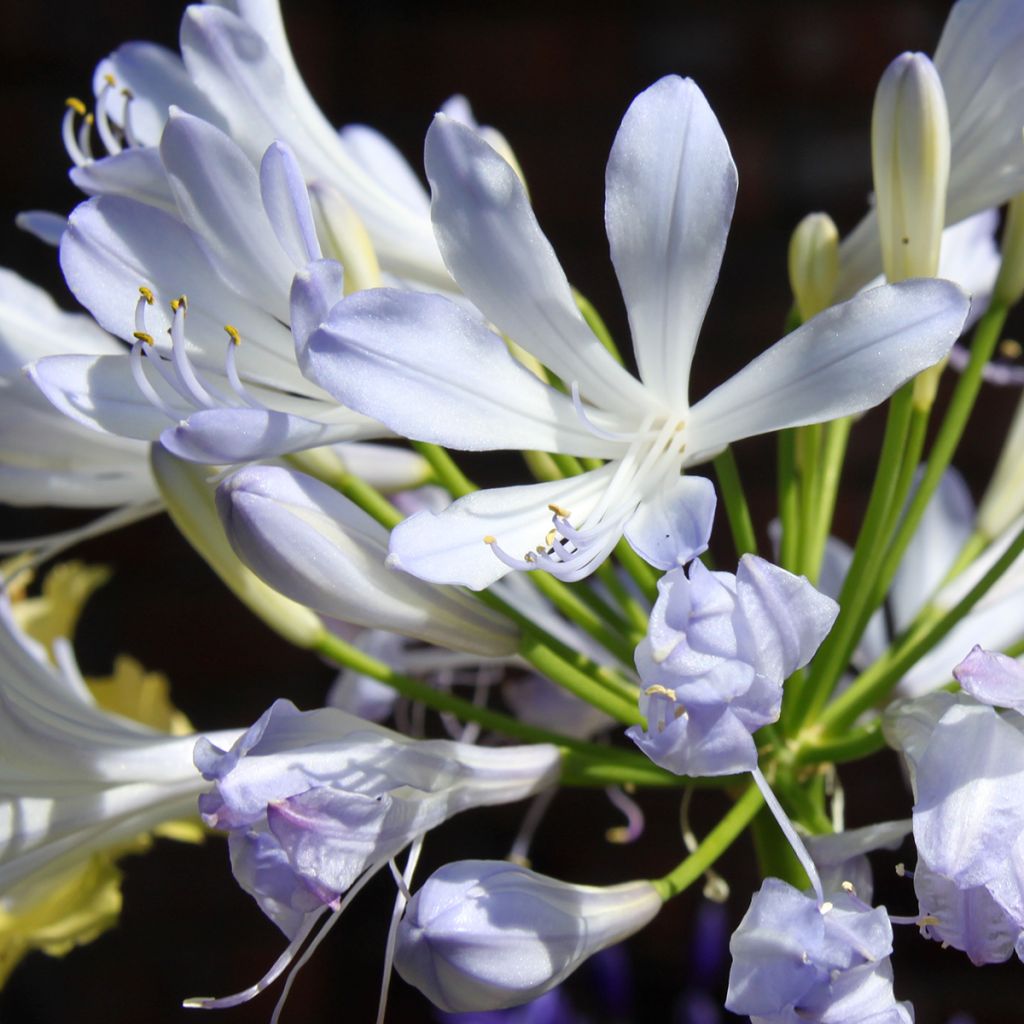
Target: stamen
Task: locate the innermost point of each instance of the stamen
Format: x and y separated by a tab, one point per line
142	382
401	899
231	369
520	851
103	124
126	121
72	143
634	827
182	365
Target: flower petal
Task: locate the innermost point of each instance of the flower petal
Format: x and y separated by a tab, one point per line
286	202
670	192
495	249
432	372
845	360
674	526
449	547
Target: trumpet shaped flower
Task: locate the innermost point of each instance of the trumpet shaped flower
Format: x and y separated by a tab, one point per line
714	659
312	801
798	958
402	358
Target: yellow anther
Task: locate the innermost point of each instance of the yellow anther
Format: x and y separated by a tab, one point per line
825	907
143	336
679	711
147	294
540	549
619	835
549	538
928	919
848	887
76	105
490	539
559	511
127	93
1010	349
181	301
89	119
109	79
232	332
657	690
901	870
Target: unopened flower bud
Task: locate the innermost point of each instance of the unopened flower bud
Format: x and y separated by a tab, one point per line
317	547
1010	283
485	935
814	263
910	157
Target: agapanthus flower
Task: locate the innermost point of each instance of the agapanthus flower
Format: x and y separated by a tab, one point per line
236	71
484	935
313	801
966	765
714	660
208	294
796	957
670	190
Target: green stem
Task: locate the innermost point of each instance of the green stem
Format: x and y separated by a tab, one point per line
834	653
789	500
875	682
808	453
579	683
837	433
638	570
736	507
590	613
852	746
986	336
715	843
447	472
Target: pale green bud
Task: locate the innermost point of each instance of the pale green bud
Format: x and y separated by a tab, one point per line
814	263
1010	283
1004	499
910	159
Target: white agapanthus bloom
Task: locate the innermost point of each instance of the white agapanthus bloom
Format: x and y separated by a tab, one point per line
237	72
429	371
205	296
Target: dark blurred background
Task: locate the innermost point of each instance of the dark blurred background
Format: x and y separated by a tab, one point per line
792	84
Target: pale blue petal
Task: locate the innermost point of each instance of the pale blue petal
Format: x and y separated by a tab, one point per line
315	290
135	173
673	527
287	205
845	360
449	547
218	196
432	372
992	678
670	190
502	261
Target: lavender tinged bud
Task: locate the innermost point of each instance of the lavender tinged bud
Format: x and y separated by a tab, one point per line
485	935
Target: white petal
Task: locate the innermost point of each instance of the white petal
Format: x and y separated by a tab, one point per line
497	252
315	546
431	372
383	161
286	202
449	547
218	195
845	360
674	526
135	173
670	192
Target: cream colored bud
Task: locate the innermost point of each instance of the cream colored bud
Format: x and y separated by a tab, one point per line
814	263
1010	282
1004	498
910	160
